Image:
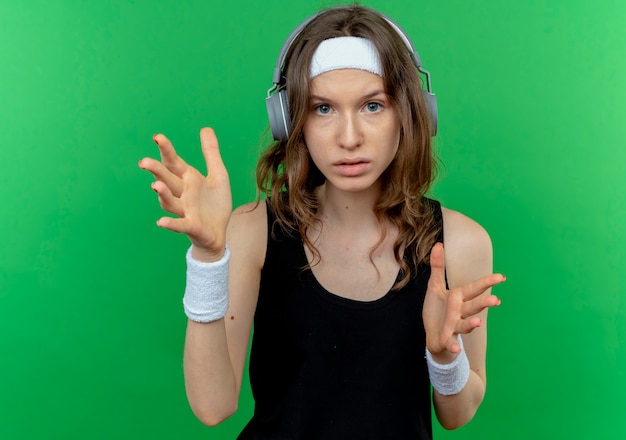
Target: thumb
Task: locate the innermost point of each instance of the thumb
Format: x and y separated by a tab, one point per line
437	264
211	152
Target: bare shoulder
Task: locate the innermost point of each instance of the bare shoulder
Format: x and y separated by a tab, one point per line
251	214
463	231
247	232
468	248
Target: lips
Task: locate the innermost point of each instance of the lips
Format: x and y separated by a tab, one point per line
351	167
350	161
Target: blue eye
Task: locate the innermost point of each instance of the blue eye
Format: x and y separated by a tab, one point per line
323	109
373	107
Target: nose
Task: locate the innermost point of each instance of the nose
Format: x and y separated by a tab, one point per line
350	134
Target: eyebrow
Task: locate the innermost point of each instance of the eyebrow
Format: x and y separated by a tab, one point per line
364	97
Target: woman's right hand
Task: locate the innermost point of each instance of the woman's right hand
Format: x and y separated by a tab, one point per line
202	204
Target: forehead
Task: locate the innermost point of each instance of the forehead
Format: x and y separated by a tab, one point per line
346	82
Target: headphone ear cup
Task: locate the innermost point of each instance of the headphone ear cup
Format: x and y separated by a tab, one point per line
278	113
431	105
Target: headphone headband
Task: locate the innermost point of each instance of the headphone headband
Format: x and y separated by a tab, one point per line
276	100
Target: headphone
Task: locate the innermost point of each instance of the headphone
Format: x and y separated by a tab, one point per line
277	102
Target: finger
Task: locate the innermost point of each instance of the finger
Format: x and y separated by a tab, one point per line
465	326
167	200
453	346
210	150
478	287
437	267
158	170
479	304
162	172
179	225
169	157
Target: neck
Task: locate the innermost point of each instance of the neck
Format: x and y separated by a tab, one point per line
346	208
348	221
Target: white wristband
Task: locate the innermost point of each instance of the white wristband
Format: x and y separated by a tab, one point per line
206	290
450	378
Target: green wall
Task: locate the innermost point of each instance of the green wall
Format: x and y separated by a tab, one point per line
532	100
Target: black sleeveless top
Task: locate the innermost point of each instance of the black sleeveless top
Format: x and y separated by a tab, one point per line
327	367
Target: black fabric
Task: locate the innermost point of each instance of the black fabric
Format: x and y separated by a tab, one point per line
326	367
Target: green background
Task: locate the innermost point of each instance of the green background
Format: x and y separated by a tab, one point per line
532	101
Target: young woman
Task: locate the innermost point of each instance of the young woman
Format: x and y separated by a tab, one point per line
357	311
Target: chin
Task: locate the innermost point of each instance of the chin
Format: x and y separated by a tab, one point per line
354	185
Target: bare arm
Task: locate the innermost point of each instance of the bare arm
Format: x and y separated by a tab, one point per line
214	352
460	310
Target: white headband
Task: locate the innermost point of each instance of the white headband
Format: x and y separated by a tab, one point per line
345	53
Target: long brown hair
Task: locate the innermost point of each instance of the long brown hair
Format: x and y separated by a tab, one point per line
287	176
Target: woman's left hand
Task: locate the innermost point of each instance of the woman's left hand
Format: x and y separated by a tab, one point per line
448	313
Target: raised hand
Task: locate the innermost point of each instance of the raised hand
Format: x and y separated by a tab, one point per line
202	204
448	313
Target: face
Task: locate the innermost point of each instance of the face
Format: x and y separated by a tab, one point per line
351	131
